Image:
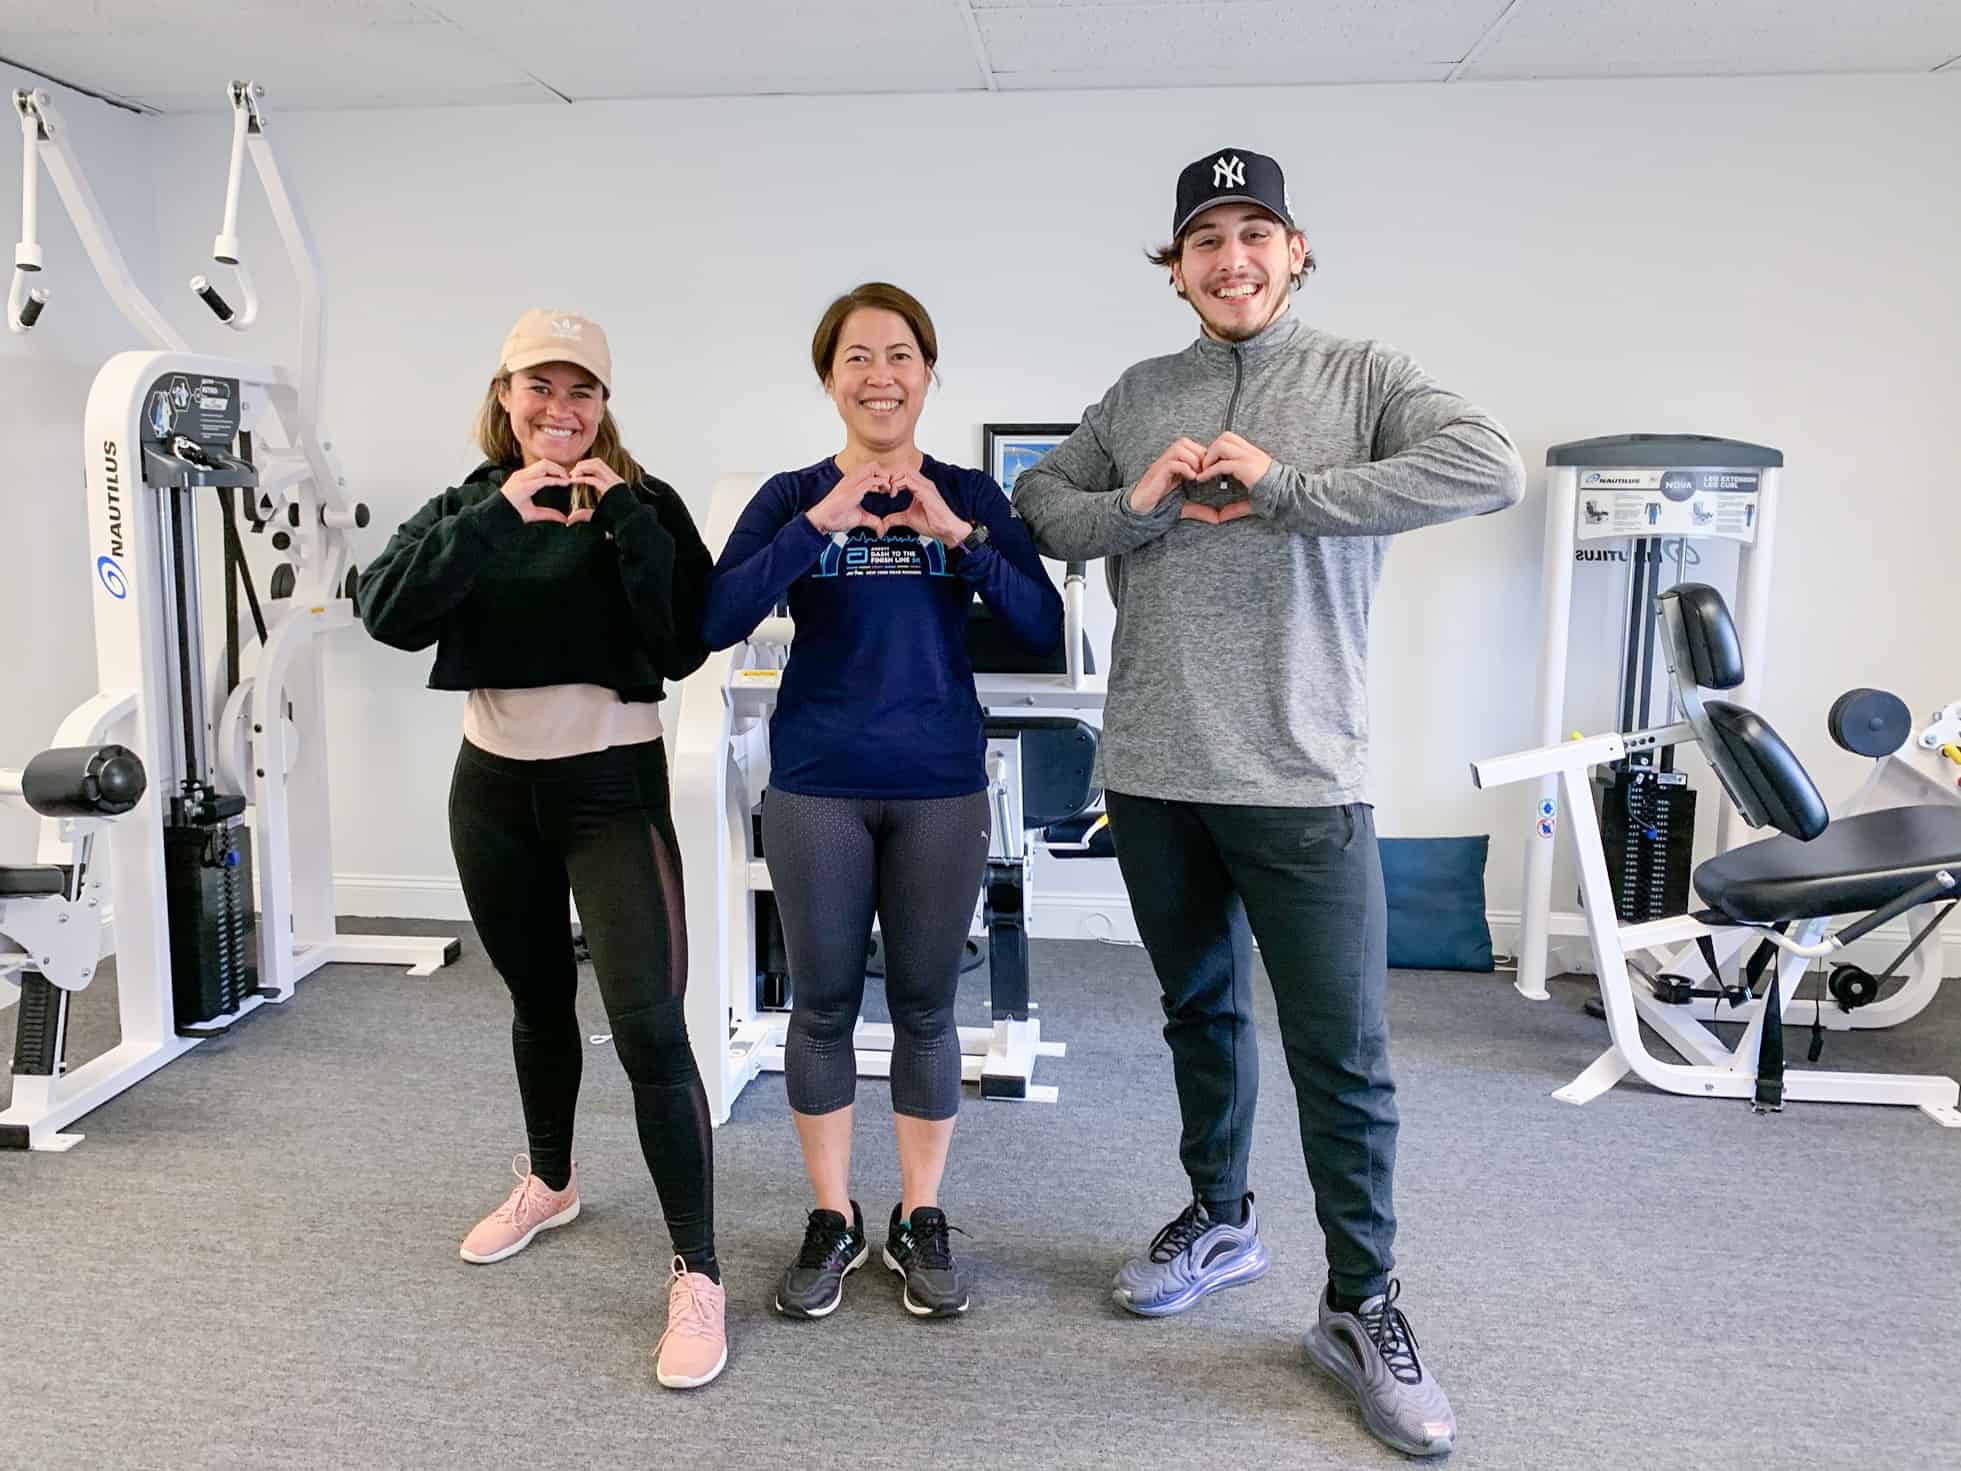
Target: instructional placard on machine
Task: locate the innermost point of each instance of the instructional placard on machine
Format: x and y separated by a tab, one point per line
197	406
1623	503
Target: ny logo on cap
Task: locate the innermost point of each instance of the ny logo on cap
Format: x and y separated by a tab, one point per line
566	327
1228	173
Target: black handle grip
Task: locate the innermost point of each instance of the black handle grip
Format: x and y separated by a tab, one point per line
208	294
1940	884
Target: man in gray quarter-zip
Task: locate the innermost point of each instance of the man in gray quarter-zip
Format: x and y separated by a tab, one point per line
1244	492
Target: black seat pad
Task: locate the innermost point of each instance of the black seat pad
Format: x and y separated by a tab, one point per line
24	883
1856	864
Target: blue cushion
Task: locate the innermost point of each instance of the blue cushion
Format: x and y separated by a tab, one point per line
1436	903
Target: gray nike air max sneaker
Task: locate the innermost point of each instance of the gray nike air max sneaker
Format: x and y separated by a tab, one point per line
1190	1257
1373	1352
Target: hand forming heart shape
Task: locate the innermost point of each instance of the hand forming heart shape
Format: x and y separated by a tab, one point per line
905	498
1215	515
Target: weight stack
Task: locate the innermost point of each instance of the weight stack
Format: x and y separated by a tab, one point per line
1649	873
213	959
41	1035
772	956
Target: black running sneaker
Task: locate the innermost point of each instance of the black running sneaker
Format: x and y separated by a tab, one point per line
813	1285
918	1250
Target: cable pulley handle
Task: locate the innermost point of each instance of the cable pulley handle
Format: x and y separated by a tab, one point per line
224	247
24	304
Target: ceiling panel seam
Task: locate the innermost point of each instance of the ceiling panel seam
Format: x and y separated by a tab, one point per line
462	30
1490	34
979	43
127	104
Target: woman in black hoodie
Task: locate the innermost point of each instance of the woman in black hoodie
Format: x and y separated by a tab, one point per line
562	584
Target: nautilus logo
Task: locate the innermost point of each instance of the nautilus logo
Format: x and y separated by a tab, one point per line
112	577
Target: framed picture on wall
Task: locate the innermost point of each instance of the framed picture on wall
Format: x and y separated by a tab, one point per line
1008	449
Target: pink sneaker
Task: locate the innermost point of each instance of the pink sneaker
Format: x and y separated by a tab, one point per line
533	1207
695	1347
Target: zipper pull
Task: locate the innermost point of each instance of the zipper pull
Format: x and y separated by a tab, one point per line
1224	485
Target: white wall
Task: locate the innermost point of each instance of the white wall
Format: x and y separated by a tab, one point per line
45	619
1765	259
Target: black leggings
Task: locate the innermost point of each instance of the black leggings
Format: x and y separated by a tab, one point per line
526	832
918	862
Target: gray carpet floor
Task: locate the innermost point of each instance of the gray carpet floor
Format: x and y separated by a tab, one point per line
251	1261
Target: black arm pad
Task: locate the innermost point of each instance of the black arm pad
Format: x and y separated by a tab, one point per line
84	781
1715	655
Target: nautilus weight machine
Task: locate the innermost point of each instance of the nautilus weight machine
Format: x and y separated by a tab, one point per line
223	743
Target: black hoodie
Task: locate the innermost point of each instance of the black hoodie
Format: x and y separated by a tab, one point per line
615	601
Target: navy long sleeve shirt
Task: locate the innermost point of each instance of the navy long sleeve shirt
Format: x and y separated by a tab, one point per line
878	699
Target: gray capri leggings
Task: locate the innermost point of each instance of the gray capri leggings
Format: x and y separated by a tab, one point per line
918	862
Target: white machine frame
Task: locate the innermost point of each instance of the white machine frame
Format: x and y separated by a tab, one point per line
1540	925
720	744
1716	1070
278	764
1921	770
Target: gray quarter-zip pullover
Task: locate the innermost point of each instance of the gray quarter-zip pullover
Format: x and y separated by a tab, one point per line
1239	666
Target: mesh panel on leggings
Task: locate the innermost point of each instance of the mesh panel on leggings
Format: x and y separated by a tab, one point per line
918	863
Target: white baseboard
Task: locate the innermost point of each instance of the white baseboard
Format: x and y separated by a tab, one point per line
399	896
1068	916
1083	917
394	896
1073	916
1108	917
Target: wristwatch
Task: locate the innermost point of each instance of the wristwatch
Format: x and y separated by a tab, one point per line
975	539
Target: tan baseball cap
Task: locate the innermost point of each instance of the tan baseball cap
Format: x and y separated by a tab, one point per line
542	336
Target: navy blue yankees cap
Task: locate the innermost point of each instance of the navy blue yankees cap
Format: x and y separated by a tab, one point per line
1231	176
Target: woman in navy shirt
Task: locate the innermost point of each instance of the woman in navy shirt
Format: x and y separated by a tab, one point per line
877	799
